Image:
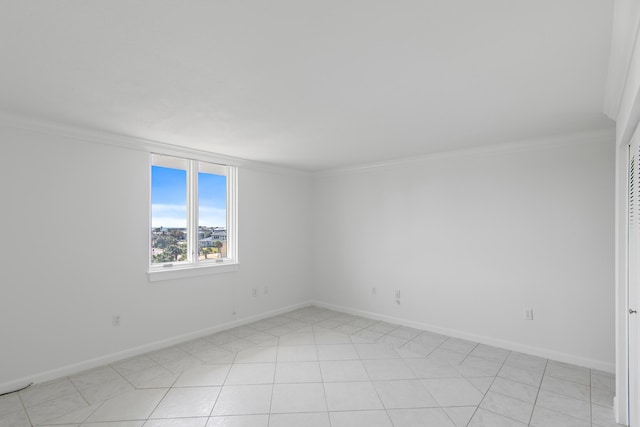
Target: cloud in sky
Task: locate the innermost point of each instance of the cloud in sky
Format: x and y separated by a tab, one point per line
175	216
213	217
169	216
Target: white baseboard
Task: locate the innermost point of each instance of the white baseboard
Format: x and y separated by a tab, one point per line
75	368
509	345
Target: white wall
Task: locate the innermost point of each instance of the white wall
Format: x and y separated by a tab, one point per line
74	224
472	239
469	239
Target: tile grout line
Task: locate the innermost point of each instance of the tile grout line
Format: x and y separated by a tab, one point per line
569	416
312	319
85	399
324	389
24	408
273	383
19	394
484	395
163	396
467	354
535	401
158	404
386	411
224	382
590	390
122	377
449	416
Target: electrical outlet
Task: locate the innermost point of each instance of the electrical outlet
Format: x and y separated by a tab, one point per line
266	290
254	292
115	320
374	291
397	294
528	313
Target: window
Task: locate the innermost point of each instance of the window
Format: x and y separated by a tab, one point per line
193	208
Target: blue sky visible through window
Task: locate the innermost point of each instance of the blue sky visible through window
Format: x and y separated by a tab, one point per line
169	198
212	197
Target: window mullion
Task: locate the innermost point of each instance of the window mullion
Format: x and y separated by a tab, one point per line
232	218
192	211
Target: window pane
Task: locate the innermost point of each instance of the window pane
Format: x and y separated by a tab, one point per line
212	211
168	209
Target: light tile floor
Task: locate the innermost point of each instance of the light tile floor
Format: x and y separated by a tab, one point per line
319	368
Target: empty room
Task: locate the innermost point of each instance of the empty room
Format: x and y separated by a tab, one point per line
320	214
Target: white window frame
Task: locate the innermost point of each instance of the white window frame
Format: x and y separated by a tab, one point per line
193	267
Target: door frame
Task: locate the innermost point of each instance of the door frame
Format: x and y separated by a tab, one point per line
624	136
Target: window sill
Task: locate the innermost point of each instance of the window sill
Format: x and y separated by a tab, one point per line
179	272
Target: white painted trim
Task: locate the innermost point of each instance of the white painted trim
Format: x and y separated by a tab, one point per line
509	345
628	123
191	270
137	144
192	267
75	368
603	135
232	214
157	345
158	147
621	234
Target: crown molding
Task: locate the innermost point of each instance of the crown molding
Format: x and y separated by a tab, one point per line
597	136
134	143
152	146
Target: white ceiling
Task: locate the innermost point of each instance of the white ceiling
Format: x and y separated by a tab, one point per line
311	85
